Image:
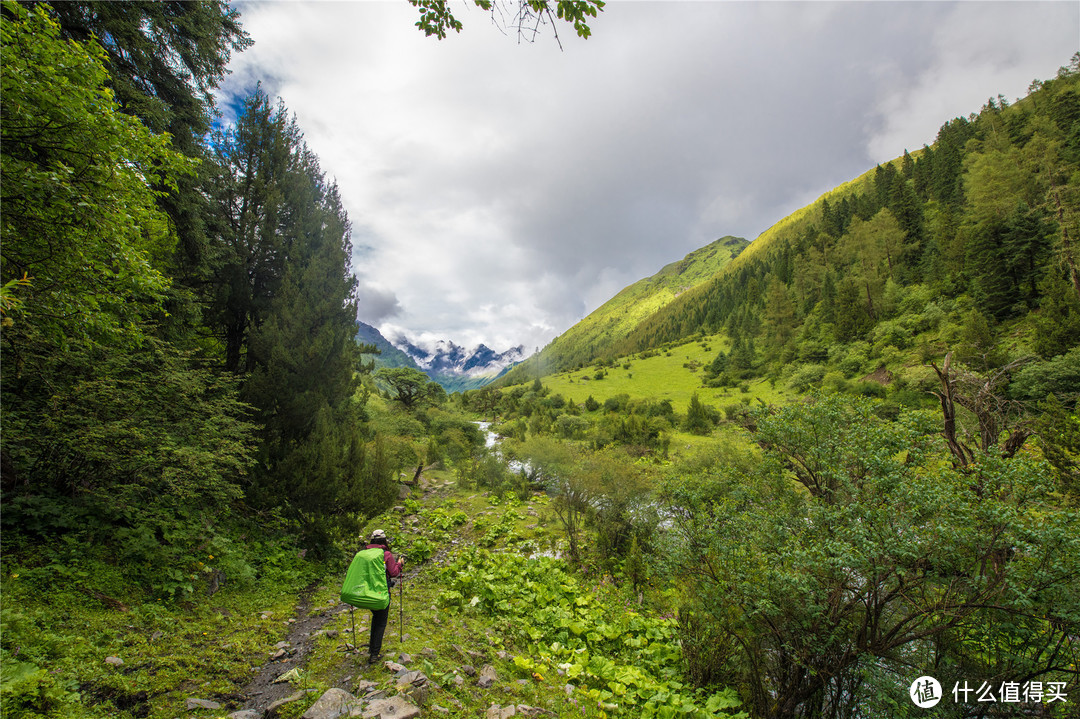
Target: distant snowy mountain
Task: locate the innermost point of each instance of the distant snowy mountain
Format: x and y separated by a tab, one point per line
455	367
450	358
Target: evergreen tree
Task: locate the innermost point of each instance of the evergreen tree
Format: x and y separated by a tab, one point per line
164	59
1057	324
852	318
257	161
697	417
287	312
95	404
946	184
779	313
1006	258
922	174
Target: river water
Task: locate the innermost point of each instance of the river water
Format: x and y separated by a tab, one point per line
491	441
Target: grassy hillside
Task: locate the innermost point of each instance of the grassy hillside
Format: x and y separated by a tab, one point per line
609	324
961	247
674	374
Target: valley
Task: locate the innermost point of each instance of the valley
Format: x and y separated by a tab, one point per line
832	473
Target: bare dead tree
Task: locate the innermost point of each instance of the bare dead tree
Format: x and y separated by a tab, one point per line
994	413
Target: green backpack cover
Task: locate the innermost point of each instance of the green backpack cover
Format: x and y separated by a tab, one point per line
365	582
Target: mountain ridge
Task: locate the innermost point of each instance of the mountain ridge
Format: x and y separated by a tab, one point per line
607	326
453	366
970	233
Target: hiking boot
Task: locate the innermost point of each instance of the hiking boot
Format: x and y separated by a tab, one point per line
374	659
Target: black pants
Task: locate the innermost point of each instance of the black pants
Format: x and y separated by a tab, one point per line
378	628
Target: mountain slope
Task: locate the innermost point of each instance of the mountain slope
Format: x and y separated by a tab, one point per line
391	356
966	246
607	327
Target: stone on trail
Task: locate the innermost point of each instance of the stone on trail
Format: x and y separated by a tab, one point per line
332	704
414	685
392	708
417	679
497	712
115	661
272	710
364	686
245	714
193	703
487	677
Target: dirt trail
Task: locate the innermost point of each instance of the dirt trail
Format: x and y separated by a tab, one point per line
261	691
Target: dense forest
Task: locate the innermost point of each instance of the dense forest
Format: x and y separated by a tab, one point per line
987	217
179	318
782	479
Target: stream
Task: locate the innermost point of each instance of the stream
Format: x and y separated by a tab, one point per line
491	441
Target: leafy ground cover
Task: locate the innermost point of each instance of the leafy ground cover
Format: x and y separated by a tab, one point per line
77	652
485	586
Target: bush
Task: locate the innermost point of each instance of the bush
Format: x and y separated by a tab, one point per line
616	403
570	427
806	377
868	389
891	332
835	382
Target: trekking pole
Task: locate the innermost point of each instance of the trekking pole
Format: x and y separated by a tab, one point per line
401	610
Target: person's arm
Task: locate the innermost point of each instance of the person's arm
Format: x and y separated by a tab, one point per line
393	566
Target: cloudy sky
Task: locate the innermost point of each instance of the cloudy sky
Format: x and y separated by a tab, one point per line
501	190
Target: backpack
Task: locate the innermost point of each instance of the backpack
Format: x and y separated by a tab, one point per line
365	582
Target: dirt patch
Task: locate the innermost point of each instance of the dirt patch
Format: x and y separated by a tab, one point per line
881	375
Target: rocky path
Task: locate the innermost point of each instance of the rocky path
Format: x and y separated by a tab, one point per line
265	693
262	692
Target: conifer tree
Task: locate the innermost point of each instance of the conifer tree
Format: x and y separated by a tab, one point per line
257	159
164	59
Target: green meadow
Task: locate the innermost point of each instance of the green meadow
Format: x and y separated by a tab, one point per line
673	374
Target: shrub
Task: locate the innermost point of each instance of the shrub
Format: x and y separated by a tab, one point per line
806	377
835	382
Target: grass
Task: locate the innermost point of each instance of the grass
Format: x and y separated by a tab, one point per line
675	374
170	652
211	647
440	643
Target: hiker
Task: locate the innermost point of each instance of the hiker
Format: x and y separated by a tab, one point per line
379	616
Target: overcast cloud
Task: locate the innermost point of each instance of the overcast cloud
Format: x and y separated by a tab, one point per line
500	191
